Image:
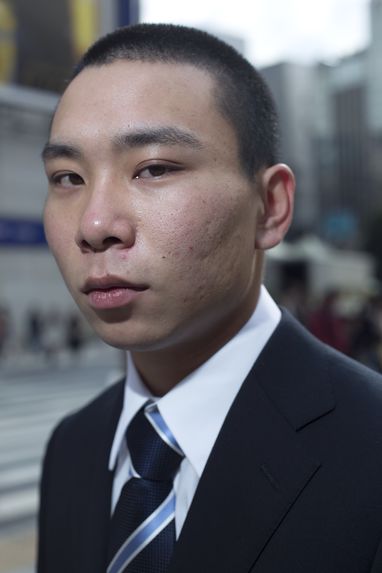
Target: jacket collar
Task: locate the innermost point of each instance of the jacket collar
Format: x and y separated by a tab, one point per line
258	466
91	506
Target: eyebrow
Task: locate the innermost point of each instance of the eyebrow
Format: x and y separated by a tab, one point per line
133	139
159	135
57	150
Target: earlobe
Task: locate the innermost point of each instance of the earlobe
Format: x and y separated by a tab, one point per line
277	192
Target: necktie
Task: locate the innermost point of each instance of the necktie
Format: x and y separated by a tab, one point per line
142	531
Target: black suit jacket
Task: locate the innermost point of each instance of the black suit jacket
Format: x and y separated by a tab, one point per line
293	483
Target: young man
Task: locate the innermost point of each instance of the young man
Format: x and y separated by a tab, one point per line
164	192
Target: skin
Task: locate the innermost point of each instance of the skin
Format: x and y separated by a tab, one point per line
170	210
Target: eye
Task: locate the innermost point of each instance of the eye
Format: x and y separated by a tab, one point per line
155	171
66	180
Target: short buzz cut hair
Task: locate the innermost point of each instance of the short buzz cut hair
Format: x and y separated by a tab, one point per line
242	95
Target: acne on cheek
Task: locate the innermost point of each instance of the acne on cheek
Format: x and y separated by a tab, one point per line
201	228
200	292
200	243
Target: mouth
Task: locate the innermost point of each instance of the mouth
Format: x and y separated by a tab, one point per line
110	292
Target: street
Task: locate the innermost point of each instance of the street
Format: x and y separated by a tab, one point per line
31	403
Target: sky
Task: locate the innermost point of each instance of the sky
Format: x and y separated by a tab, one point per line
275	30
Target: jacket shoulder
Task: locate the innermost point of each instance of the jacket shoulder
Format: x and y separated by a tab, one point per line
308	378
91	422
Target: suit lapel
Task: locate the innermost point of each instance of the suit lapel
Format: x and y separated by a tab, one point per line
92	519
258	467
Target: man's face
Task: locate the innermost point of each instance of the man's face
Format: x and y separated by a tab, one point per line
149	214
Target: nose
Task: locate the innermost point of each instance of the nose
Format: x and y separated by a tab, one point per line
106	220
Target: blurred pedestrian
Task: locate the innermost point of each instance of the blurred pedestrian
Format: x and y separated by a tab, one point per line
366	343
328	325
294	298
74	334
34	330
52	334
4	328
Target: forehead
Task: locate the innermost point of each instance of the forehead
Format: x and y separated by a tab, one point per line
103	97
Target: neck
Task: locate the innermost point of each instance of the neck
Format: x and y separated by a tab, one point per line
163	369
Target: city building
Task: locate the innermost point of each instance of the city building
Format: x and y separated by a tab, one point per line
292	87
331	125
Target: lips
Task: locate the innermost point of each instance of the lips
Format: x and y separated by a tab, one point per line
111	292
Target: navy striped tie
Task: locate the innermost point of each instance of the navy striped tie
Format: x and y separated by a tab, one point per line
142	531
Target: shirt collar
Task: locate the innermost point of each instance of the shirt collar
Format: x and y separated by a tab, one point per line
195	408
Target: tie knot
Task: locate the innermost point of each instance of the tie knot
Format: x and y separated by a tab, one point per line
155	454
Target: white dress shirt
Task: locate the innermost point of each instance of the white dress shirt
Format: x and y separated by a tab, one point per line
196	407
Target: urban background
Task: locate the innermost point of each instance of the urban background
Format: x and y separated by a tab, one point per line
328	272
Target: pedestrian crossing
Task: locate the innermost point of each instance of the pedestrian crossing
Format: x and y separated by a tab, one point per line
30	407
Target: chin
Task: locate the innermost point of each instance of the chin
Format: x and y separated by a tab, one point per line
125	337
120	340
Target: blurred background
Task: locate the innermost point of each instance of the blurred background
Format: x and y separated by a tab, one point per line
323	63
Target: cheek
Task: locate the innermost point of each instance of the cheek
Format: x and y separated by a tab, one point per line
208	244
58	236
52	228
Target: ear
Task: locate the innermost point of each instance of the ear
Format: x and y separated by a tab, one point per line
277	185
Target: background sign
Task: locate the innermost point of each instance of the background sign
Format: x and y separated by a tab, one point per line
7	42
20	232
41	40
128	12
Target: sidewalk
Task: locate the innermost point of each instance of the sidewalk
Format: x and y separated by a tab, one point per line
95	353
18	551
98	361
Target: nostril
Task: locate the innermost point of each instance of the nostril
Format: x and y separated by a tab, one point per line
84	246
100	246
110	241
